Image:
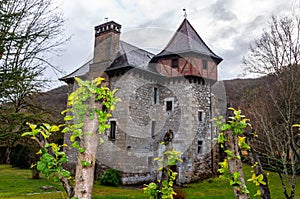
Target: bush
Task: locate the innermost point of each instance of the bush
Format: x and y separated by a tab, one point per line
111	177
20	156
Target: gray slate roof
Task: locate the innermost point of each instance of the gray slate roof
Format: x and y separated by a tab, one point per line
128	56
81	71
186	40
131	56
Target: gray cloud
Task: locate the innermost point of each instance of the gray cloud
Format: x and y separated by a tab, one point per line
220	11
227	26
227	32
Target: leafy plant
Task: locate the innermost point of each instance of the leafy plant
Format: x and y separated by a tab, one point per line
52	154
232	138
172	158
79	109
164	189
111	177
151	190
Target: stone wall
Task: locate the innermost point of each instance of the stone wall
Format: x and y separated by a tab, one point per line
137	137
142	123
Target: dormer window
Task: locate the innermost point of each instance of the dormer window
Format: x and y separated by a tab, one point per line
175	63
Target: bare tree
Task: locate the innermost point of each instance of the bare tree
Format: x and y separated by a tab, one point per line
29	31
276	54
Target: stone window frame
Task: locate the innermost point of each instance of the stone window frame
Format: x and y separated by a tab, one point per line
200	116
152	128
169	99
200	146
112	134
155	95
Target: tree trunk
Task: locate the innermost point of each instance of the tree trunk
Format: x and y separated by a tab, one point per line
35	173
164	174
86	161
235	164
68	187
7	155
264	189
254	158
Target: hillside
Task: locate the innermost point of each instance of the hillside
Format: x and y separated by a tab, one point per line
238	91
54	101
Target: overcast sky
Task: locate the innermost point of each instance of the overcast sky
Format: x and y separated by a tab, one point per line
226	26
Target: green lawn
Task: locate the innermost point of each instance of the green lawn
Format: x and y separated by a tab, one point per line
16	183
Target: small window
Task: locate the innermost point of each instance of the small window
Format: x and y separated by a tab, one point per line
129	148
153	123
150	160
112	133
175	63
169	105
204	64
154	95
200	142
200	116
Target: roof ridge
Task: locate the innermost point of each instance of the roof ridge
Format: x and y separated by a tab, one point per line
138	48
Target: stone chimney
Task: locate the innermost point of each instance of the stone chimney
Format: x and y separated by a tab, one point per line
107	38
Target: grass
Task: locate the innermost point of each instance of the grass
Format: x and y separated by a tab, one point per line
217	188
17	183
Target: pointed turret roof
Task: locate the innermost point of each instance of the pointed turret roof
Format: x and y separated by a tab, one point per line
187	40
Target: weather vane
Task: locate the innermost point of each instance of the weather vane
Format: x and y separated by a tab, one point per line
106	19
185	15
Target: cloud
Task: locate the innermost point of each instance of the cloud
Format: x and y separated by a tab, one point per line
226	26
219	10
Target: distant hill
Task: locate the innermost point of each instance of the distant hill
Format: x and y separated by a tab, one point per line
238	91
54	101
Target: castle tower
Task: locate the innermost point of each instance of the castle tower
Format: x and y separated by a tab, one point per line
187	55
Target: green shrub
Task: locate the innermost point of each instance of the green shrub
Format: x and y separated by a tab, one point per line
20	156
111	177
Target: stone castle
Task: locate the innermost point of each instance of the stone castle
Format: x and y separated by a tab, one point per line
172	90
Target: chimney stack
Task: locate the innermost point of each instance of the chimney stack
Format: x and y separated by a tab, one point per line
107	38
